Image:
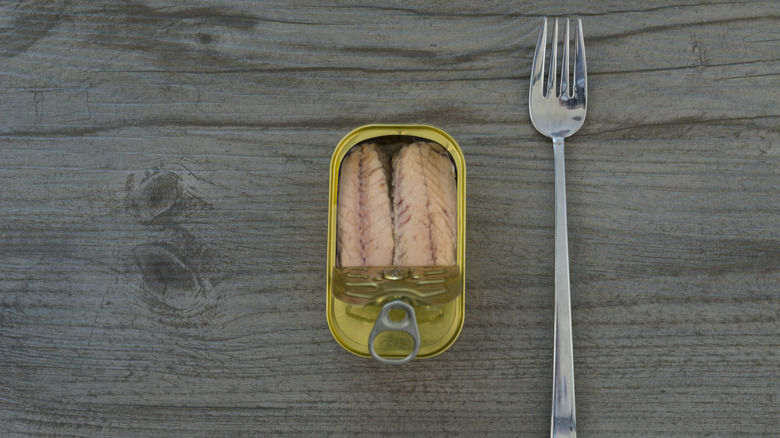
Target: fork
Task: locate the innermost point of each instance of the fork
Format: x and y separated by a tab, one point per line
558	111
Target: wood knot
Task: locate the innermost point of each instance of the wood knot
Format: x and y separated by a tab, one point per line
176	284
204	38
157	195
160	197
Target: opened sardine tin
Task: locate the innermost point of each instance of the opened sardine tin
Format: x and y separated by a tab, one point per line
393	312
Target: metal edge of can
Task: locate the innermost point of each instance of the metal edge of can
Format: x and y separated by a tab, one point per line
366	132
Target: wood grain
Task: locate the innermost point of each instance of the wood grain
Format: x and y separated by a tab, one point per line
163	209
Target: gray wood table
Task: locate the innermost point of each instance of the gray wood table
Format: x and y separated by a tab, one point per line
163	216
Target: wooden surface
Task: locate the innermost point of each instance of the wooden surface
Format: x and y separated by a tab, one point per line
163	199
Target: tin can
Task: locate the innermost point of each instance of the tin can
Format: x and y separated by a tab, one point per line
396	313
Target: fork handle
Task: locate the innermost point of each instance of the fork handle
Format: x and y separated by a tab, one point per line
564	424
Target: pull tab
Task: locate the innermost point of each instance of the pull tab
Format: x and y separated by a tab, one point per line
384	324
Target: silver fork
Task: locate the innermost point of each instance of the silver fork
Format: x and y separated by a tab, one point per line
558	112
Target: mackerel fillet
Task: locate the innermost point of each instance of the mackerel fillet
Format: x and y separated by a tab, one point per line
424	206
365	227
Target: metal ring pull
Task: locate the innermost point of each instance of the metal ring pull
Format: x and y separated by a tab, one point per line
385	324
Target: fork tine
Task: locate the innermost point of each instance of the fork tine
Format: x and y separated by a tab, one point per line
580	68
565	63
537	69
553	62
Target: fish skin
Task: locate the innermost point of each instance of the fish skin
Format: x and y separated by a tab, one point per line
365	216
424	206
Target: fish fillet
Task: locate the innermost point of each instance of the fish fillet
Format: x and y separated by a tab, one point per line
365	227
424	206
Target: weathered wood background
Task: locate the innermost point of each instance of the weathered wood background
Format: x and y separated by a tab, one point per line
163	184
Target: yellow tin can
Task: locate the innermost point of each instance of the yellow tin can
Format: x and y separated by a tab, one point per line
393	312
